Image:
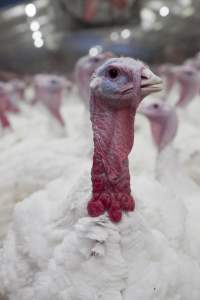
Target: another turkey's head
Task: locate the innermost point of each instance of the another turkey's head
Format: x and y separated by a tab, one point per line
51	82
188	79
122	82
49	89
186	74
49	85
84	69
167	71
90	63
163	120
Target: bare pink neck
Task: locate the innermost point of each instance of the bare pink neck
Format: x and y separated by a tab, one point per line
113	140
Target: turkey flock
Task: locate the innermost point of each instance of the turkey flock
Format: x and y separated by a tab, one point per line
100	182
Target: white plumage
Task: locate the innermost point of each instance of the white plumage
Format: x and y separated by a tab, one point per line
53	250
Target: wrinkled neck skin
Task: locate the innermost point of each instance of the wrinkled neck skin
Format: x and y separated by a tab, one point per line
113	141
113	133
188	91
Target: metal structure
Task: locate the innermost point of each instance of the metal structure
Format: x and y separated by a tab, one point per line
153	30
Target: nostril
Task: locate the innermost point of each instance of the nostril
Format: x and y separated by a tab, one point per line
144	77
155	105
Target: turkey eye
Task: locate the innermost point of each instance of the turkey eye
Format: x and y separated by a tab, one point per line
53	82
155	106
113	73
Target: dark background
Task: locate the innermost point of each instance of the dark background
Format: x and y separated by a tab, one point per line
67	34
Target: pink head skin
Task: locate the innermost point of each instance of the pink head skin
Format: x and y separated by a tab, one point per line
163	121
117	88
188	79
48	90
84	69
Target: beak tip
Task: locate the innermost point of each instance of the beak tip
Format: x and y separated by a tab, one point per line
151	85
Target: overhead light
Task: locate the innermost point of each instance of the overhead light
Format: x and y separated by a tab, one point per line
125	34
38	43
35	26
93	51
114	36
30	10
185	2
37	35
164	11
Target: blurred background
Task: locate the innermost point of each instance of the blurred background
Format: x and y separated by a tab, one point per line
49	35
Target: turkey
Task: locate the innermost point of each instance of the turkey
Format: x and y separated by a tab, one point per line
84	68
31	156
188	102
73	247
31	122
48	91
28	164
164	124
188	79
166	71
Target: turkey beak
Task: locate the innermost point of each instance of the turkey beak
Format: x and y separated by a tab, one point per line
150	83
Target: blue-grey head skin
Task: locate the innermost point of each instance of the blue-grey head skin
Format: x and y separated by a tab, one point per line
124	78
